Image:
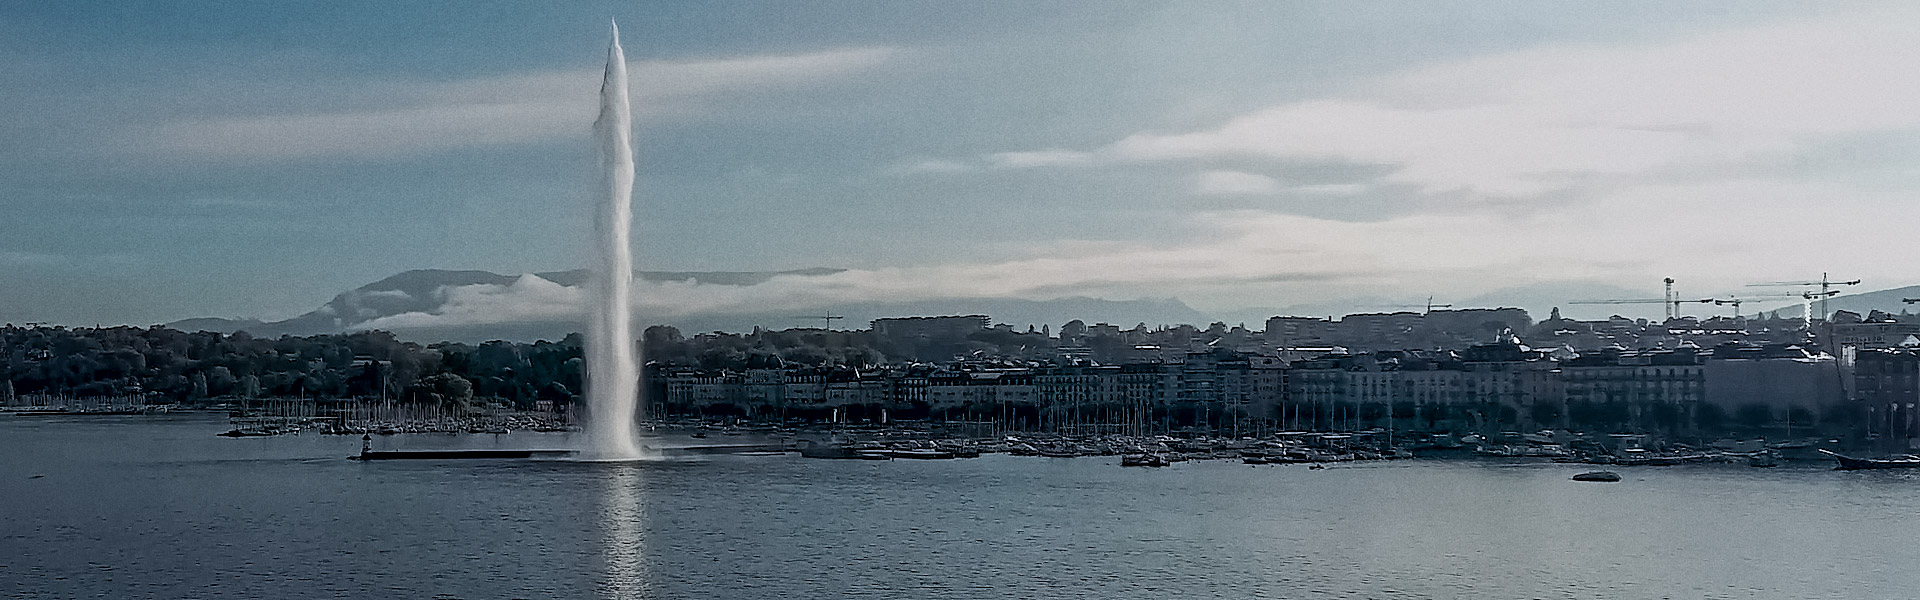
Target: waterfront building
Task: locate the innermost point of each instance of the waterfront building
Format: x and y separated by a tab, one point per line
1313	387
1652	390
1775	385
1887	395
1486	388
1399	330
1075	398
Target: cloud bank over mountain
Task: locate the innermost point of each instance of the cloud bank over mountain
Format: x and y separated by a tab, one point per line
435	305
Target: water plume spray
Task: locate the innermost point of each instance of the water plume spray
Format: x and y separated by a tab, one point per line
612	358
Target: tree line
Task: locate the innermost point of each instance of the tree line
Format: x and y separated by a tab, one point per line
172	366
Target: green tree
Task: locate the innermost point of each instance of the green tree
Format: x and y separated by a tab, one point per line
1754	415
1710	417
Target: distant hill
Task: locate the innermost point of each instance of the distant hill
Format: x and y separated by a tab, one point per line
1538	299
216	324
423	291
1883	300
1017	312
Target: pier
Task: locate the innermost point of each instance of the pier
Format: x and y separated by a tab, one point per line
460	454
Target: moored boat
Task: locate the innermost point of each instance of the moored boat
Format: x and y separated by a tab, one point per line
1848	463
235	433
922	454
1600	476
1142	460
1648	459
828	451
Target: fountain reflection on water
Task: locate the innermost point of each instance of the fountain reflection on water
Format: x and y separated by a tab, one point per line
622	518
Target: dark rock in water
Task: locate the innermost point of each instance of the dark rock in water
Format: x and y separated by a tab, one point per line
1605	476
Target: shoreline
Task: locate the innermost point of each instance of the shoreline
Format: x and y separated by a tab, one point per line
935	440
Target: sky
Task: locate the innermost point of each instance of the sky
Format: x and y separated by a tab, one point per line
167	160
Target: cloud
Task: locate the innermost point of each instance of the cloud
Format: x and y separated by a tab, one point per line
223	202
21	258
1234	183
1489	150
398	118
1554	118
1665	143
1290	254
1038	158
31	259
369	134
1244	258
528	299
697	78
1332	189
933	166
1031	159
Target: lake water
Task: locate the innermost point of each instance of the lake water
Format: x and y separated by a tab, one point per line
131	507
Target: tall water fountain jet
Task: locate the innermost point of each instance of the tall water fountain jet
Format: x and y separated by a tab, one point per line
612	376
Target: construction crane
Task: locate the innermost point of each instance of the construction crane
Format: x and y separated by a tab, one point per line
1672	304
1826	288
1806	303
826	319
1806	300
1671	299
1429	305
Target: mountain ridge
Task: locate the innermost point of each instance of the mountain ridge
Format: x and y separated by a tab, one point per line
425	291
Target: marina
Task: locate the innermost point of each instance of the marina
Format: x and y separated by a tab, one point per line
936	441
917	442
